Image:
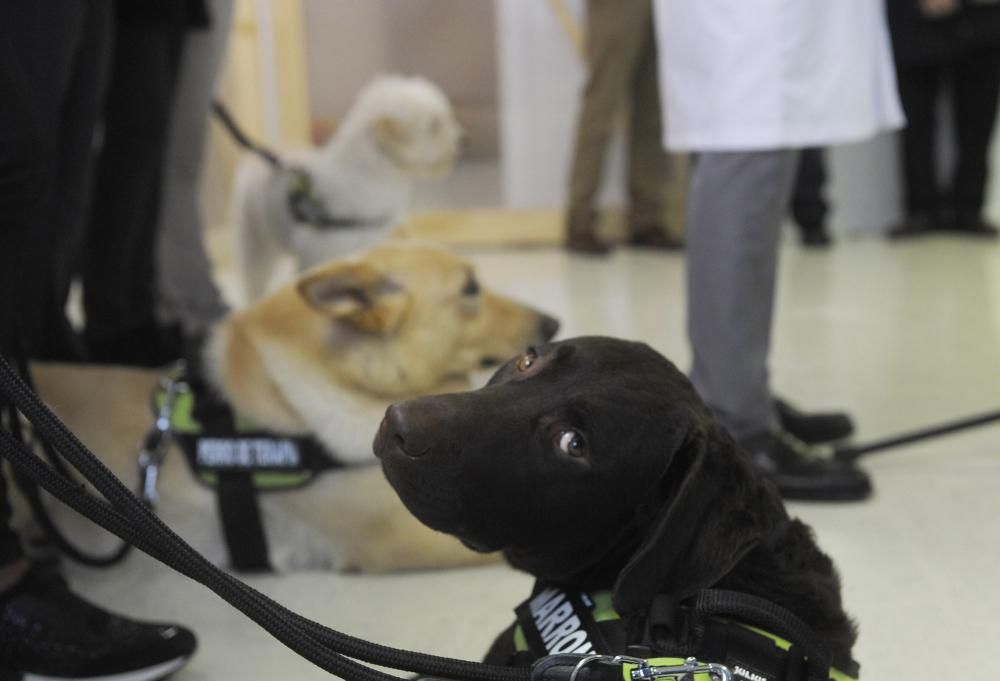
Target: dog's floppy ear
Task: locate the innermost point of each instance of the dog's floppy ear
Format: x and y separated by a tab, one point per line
711	513
358	294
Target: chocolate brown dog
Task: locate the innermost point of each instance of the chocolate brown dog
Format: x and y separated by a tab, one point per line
592	463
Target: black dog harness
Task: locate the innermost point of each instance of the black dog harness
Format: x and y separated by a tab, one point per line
731	629
231	456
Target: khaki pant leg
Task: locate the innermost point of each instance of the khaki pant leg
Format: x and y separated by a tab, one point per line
614	38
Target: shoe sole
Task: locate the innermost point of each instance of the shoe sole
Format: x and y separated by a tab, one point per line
153	673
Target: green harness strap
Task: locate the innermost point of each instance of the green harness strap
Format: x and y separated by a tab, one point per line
188	430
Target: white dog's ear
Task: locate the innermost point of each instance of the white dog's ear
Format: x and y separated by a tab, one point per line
358	294
389	131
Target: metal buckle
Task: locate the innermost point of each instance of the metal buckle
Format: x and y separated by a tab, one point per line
154	444
645	672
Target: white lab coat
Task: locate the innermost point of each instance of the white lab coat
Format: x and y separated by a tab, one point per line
742	75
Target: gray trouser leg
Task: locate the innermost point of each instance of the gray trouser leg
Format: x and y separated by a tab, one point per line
188	292
738	201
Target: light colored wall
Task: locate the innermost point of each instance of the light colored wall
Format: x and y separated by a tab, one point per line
448	41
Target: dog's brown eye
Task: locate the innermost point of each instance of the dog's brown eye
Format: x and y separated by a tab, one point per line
471	287
526	362
571	442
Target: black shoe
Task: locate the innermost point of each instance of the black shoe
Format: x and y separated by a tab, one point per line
48	631
813	428
588	243
655	237
799	475
976	226
915	225
816	237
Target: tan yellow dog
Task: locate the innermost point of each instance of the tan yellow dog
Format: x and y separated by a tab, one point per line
325	356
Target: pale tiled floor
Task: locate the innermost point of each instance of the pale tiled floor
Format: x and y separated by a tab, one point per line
902	334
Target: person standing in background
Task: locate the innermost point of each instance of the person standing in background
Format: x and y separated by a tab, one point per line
46	630
188	296
622	69
118	267
63	50
745	85
949	47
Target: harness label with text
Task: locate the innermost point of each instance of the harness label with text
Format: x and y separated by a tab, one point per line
556	620
743	673
248	453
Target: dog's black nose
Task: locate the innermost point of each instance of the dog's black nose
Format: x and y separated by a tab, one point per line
549	326
398	433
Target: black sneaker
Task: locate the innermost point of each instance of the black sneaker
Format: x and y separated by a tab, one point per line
656	237
813	428
815	237
800	475
49	633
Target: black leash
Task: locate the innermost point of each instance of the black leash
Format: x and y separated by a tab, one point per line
223	114
36	503
850	453
303	203
126	516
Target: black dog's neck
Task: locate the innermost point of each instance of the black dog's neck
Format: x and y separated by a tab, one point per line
784	565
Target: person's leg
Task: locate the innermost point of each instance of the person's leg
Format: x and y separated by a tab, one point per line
79	118
738	200
188	292
45	629
808	205
48	66
26	168
614	35
118	266
737	204
648	164
919	85
975	88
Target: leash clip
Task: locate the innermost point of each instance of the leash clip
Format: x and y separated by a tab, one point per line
154	444
645	672
720	672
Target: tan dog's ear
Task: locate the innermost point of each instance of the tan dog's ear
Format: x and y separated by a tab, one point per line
388	131
357	294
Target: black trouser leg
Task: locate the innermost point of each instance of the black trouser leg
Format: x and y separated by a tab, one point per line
918	92
809	206
118	270
975	80
24	175
62	49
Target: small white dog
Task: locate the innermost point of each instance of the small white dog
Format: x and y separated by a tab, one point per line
359	184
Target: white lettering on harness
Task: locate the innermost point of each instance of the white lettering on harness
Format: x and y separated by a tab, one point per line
247	453
744	673
560	629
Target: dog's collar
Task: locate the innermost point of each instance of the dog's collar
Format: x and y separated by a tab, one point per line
308	208
557	620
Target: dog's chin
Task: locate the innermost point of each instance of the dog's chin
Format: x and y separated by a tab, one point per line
434	168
